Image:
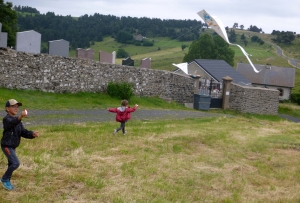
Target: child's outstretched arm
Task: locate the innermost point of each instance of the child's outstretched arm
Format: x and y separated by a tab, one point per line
113	110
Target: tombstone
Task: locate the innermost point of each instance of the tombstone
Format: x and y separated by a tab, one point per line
3	39
59	48
85	54
29	41
114	57
105	57
128	62
146	63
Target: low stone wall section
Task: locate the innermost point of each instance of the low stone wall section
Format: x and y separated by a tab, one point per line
253	99
19	70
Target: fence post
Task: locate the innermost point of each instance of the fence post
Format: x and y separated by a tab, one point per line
196	83
226	91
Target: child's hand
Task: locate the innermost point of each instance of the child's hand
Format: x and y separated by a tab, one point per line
35	134
24	113
136	105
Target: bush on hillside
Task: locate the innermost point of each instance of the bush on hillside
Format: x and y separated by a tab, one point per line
120	90
295	98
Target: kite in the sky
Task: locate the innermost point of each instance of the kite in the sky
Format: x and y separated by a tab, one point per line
216	24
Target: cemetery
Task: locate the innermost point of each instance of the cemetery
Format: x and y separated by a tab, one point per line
27	68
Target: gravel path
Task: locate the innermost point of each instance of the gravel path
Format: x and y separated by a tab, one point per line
54	117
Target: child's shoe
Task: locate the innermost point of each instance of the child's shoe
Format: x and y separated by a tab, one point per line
115	131
125	133
7	185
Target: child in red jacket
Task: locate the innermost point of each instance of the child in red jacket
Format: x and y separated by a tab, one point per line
123	115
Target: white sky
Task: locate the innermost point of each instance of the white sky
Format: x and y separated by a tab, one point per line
266	14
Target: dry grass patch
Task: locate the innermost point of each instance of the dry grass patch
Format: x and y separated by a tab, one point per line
191	160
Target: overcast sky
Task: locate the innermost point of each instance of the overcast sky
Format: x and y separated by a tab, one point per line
269	15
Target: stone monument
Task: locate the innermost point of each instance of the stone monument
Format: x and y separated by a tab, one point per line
29	41
146	63
128	62
59	48
85	53
106	57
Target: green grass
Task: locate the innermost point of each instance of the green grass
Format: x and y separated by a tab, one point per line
219	159
163	53
83	100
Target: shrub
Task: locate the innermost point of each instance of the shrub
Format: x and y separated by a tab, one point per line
120	90
295	98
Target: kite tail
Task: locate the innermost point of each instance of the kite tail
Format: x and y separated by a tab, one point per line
247	56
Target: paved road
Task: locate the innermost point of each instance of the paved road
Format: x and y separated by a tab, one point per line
290	118
53	117
293	62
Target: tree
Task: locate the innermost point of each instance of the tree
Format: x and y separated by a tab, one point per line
121	53
124	37
183	46
208	47
243	37
254	38
8	18
283	37
232	36
254	29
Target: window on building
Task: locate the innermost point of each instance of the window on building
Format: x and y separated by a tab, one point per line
280	92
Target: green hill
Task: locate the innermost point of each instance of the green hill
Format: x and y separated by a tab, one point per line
166	51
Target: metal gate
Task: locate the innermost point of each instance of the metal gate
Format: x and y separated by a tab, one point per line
214	90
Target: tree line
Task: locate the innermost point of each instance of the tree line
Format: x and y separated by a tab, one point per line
83	31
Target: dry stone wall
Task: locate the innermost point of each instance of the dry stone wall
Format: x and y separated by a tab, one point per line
19	70
253	100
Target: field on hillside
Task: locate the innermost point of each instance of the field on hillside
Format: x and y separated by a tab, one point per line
217	159
165	52
162	54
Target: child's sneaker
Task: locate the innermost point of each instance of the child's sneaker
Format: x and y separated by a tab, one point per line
7	185
125	133
115	131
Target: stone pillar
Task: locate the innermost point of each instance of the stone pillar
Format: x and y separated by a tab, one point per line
226	91
196	83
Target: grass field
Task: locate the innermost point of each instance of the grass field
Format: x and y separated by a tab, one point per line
245	158
242	159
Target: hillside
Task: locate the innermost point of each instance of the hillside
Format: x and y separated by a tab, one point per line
165	52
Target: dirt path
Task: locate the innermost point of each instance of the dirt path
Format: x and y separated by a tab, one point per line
54	117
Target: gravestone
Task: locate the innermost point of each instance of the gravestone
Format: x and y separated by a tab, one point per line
3	39
105	57
128	62
29	41
85	54
59	48
114	57
146	63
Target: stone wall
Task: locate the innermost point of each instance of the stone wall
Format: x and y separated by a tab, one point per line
19	70
253	99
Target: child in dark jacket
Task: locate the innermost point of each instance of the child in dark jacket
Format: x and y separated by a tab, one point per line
123	115
12	133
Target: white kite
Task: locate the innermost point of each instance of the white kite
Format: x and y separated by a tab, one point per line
182	66
216	24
